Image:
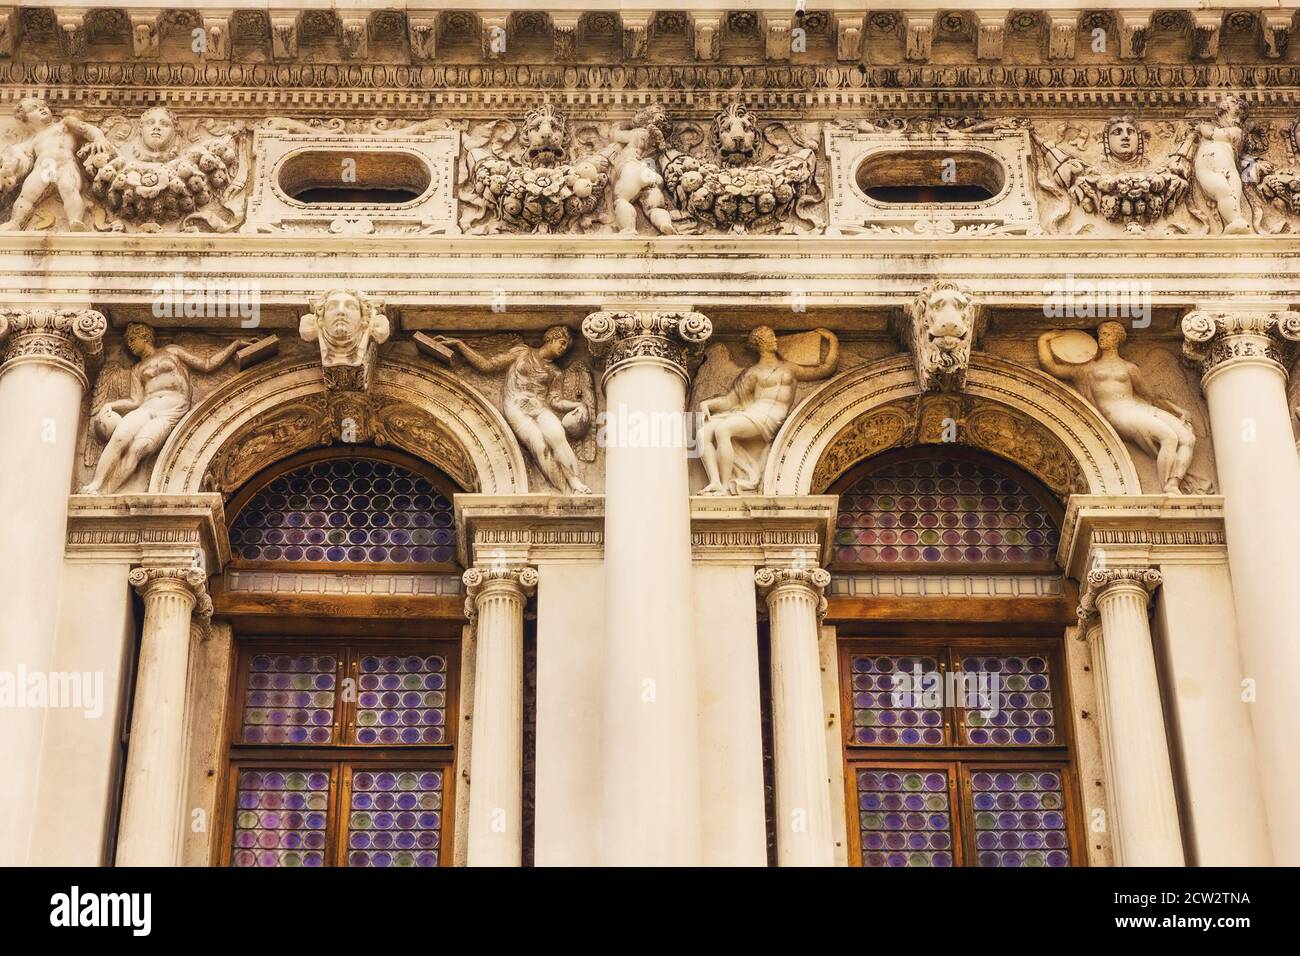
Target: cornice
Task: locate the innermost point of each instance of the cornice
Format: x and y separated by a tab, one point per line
513	530
161	530
1141	529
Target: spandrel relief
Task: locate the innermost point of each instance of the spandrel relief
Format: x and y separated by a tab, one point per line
736	428
551	409
142	393
149	173
1153	406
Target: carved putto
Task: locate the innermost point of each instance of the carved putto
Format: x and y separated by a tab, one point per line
547	407
940	329
45	160
160	173
349	329
738	426
536	189
738	191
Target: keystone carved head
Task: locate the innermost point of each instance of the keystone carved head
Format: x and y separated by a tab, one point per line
941	329
349	328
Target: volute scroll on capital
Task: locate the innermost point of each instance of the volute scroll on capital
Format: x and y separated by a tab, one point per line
1212	338
672	338
1101	580
69	337
191	579
769	579
522	579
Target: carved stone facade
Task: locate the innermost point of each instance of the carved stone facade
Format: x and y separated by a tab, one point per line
639	300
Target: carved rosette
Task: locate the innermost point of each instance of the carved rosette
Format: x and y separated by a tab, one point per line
1216	339
814	580
518	580
1102	580
71	339
147	581
671	339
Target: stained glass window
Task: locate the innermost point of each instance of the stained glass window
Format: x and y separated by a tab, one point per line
313	719
930	511
1019	818
955	753
340	511
905	817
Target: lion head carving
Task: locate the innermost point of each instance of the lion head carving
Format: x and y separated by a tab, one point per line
736	135
941	329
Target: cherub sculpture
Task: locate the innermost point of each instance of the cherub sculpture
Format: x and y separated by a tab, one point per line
155	177
637	182
544	405
136	426
1219	148
1122	191
1120	391
48	159
544	193
349	329
739	426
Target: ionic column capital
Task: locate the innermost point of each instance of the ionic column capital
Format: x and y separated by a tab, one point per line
518	580
70	339
1101	582
149	581
670	339
1219	339
814	580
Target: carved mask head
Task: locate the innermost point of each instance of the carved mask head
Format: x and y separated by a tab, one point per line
736	134
1122	141
544	135
345	324
941	335
157	129
33	109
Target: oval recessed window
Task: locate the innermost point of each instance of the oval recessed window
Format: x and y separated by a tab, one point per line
332	177
915	177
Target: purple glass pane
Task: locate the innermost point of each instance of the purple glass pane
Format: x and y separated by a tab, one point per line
281	818
395	818
904	818
402	699
1007	701
895	702
289	699
1019	818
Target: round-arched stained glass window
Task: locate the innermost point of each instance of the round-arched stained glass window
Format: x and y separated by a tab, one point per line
341	511
932	507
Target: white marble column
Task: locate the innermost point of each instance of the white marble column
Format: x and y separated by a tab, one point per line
43	375
1147	832
803	804
651	792
148	834
1244	356
495	599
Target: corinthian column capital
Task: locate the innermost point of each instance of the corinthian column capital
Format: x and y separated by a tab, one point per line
71	339
192	581
664	338
1218	339
1103	581
517	580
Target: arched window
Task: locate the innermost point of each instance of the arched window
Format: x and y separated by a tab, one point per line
341	737
928	507
345	511
958	747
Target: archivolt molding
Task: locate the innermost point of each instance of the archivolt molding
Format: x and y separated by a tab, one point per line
1013	411
258	419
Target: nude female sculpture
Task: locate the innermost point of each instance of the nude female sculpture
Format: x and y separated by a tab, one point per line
533	412
1116	386
161	394
739	426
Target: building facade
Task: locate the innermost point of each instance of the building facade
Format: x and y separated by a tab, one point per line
675	436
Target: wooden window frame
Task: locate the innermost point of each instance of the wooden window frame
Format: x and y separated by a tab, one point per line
341	759
960	760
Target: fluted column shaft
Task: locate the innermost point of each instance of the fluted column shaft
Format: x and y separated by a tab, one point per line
651	791
1244	357
155	772
1142	782
803	803
43	355
495	602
